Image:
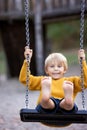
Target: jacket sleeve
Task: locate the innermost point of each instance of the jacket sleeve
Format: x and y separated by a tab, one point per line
34	81
23	72
77	79
84	67
85	73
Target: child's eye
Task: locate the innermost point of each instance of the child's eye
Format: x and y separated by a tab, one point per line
52	66
59	66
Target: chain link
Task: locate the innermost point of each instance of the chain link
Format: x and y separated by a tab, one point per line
81	47
26	7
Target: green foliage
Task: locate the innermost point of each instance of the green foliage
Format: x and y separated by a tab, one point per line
65	35
58	30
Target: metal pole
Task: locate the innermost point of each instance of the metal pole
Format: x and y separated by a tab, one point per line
38	38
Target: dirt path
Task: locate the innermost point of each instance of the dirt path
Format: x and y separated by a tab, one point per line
12	99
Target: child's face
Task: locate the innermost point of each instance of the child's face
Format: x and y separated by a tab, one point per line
55	70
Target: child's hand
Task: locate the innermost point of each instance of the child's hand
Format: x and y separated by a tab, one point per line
81	54
28	51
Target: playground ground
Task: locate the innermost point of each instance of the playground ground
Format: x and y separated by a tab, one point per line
12	99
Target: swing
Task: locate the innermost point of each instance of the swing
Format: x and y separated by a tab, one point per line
58	119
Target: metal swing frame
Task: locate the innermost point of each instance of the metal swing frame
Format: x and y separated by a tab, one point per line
58	119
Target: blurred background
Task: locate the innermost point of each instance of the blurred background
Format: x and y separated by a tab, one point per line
54	26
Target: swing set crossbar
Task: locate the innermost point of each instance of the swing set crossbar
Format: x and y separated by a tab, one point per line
31	115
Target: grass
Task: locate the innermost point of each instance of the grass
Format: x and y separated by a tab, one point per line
72	59
2	63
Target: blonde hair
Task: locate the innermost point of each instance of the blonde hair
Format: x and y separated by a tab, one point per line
58	57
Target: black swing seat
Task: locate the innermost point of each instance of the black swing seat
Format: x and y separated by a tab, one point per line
31	115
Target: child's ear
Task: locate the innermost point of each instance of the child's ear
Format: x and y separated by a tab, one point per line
46	71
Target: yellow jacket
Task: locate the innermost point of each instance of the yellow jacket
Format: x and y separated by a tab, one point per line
56	87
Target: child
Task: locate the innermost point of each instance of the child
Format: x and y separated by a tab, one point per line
57	93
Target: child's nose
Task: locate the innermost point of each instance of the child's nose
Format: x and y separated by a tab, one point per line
56	68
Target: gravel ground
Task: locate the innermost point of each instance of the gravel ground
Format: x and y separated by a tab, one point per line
12	99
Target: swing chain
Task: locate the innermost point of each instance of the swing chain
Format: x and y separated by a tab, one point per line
26	7
81	47
27	81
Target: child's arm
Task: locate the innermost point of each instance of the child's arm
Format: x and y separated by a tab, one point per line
34	81
23	71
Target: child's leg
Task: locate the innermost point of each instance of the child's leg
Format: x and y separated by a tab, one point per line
67	103
46	102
